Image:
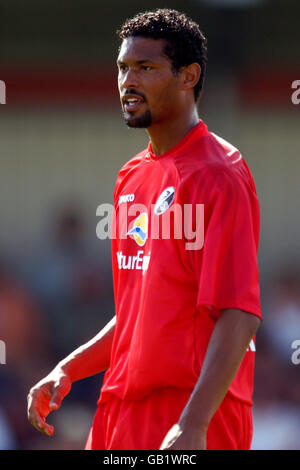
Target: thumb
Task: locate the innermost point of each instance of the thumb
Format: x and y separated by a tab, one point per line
60	389
56	398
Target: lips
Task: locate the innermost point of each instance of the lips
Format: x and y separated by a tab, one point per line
132	102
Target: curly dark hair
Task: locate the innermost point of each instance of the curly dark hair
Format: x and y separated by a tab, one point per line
186	43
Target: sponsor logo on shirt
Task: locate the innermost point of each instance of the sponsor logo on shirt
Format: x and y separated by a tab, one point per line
165	200
139	230
138	262
126	198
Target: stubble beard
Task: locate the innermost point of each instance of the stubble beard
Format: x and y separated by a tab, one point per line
141	122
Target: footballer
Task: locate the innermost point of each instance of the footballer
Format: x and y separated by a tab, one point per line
179	352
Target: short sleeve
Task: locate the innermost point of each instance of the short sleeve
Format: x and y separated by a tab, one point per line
226	268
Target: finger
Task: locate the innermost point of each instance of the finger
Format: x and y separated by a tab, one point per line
45	429
48	429
40	424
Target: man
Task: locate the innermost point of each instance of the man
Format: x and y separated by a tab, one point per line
180	350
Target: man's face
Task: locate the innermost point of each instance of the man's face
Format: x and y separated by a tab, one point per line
149	90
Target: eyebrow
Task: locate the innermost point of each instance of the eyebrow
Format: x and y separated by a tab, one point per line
138	62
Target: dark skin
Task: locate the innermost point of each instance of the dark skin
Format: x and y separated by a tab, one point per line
146	77
144	68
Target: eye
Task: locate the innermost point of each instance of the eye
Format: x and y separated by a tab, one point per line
146	67
122	67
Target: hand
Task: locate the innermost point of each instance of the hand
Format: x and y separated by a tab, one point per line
46	396
179	439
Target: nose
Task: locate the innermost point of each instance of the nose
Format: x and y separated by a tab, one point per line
128	79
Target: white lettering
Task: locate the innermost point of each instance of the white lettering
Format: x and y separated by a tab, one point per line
126	198
135	208
115	460
296	94
188	226
119	256
296	354
2	92
165	219
104	226
2	352
123	222
139	260
111	220
146	260
128	264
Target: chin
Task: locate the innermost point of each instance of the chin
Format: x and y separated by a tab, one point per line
139	122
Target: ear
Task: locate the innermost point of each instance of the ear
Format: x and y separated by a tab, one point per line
190	75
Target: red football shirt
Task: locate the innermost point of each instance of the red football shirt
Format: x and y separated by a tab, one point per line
170	288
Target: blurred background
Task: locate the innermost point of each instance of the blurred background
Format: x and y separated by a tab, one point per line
62	143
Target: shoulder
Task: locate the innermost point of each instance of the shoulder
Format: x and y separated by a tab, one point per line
215	167
205	152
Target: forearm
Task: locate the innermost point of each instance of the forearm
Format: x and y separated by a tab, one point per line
228	343
92	357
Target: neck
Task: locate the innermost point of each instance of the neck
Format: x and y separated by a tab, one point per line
166	135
